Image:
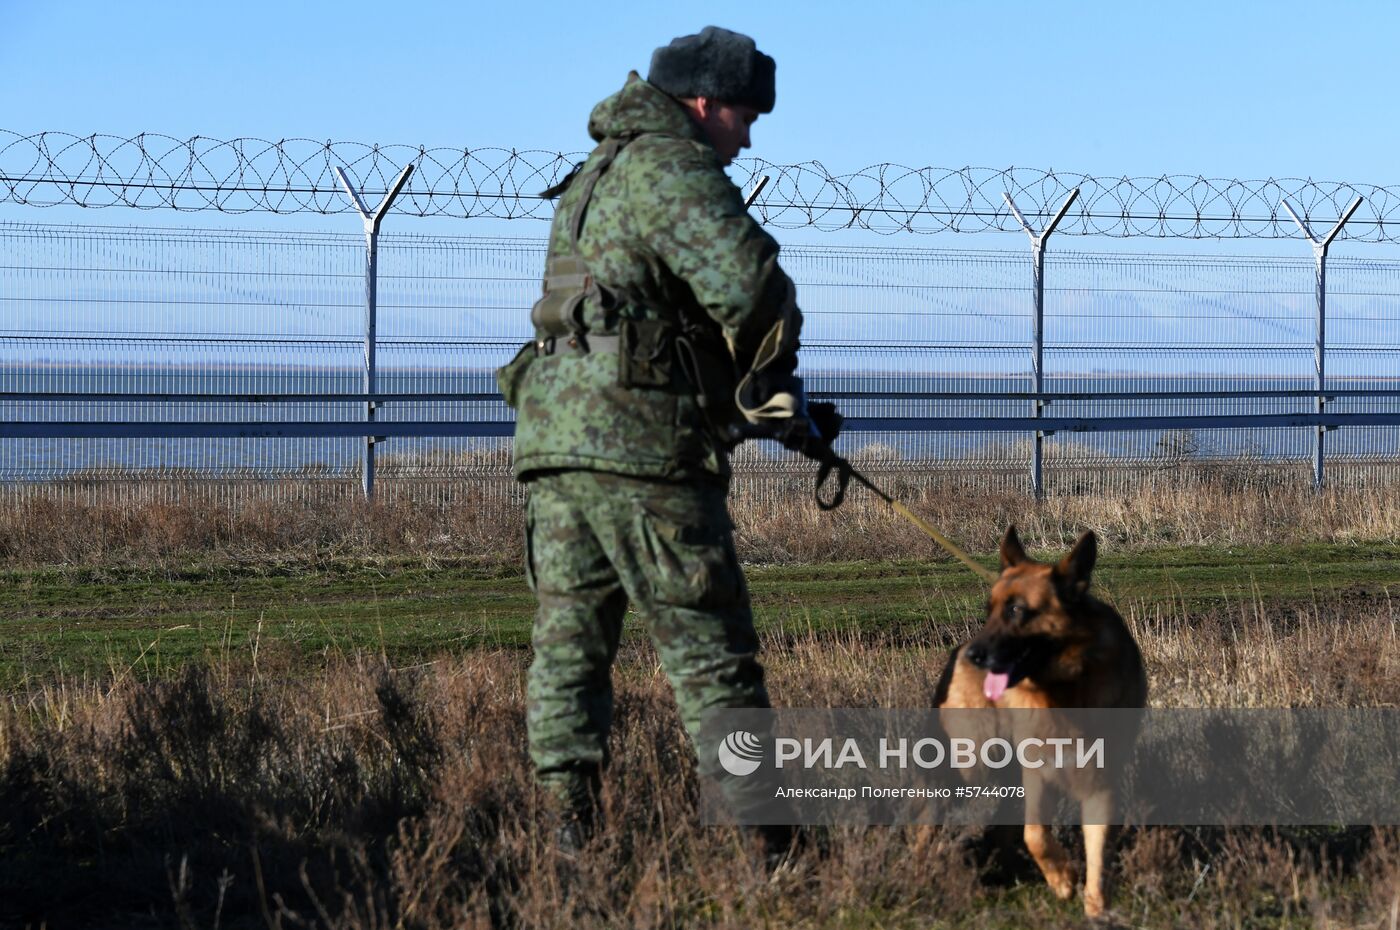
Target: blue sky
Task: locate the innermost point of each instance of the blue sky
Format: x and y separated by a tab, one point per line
1222	89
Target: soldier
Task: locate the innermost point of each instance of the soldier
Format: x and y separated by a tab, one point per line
666	331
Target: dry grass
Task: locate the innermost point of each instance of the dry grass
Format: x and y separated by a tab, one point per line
307	520
365	797
777	521
369	797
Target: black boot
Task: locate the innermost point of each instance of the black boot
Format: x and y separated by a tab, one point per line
575	830
781	845
578	807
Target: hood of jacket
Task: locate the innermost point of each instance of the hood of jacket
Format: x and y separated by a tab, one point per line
641	107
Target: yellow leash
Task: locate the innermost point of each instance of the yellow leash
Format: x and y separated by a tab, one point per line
987	574
845	472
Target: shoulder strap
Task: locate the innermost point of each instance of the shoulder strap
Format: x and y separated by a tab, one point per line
567	280
608	153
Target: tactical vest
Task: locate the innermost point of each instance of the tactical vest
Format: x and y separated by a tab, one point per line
670	350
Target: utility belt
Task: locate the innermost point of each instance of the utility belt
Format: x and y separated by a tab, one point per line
645	347
652	354
579	344
649	353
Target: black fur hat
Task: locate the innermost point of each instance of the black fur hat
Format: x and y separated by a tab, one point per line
717	63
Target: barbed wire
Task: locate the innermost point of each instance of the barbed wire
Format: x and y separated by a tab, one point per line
246	175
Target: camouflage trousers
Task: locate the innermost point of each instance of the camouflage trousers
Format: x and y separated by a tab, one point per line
595	542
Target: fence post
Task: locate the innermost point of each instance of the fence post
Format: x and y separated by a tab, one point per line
1319	247
1038	241
371	221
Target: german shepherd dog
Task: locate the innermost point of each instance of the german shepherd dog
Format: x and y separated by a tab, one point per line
1048	644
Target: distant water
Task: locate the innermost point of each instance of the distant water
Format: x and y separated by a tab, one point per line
30	459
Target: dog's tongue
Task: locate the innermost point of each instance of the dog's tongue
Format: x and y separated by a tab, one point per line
994	685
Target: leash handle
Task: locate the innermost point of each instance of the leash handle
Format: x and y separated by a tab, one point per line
832	464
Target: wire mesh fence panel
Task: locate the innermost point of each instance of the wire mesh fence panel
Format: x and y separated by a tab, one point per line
1363	350
884	326
160	311
450	312
1127	324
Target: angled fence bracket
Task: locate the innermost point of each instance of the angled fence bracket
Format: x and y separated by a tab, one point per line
1319	247
372	219
757	189
1038	241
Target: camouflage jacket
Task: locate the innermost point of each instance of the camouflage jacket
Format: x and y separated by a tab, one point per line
666	229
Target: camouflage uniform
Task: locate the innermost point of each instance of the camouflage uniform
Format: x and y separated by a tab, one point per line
627	480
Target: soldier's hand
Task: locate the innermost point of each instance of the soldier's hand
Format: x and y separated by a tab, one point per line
785	415
812	431
826	420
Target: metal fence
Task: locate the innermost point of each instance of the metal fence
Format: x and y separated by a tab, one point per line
241	356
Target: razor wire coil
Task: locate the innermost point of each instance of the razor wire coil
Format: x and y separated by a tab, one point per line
248	175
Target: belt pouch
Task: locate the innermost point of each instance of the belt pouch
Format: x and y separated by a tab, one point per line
645	358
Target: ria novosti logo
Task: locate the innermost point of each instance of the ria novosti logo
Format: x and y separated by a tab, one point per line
741	753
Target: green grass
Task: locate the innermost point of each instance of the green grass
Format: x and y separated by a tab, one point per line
148	622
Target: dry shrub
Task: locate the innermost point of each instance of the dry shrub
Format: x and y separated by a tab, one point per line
273	523
1149	862
367	798
785	525
1338	652
481	520
370	797
1380	872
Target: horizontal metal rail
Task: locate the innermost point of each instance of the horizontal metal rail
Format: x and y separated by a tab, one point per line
202	397
166	397
1048	396
448	428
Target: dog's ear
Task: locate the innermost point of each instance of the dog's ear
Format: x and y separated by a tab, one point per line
1074	569
1012	552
